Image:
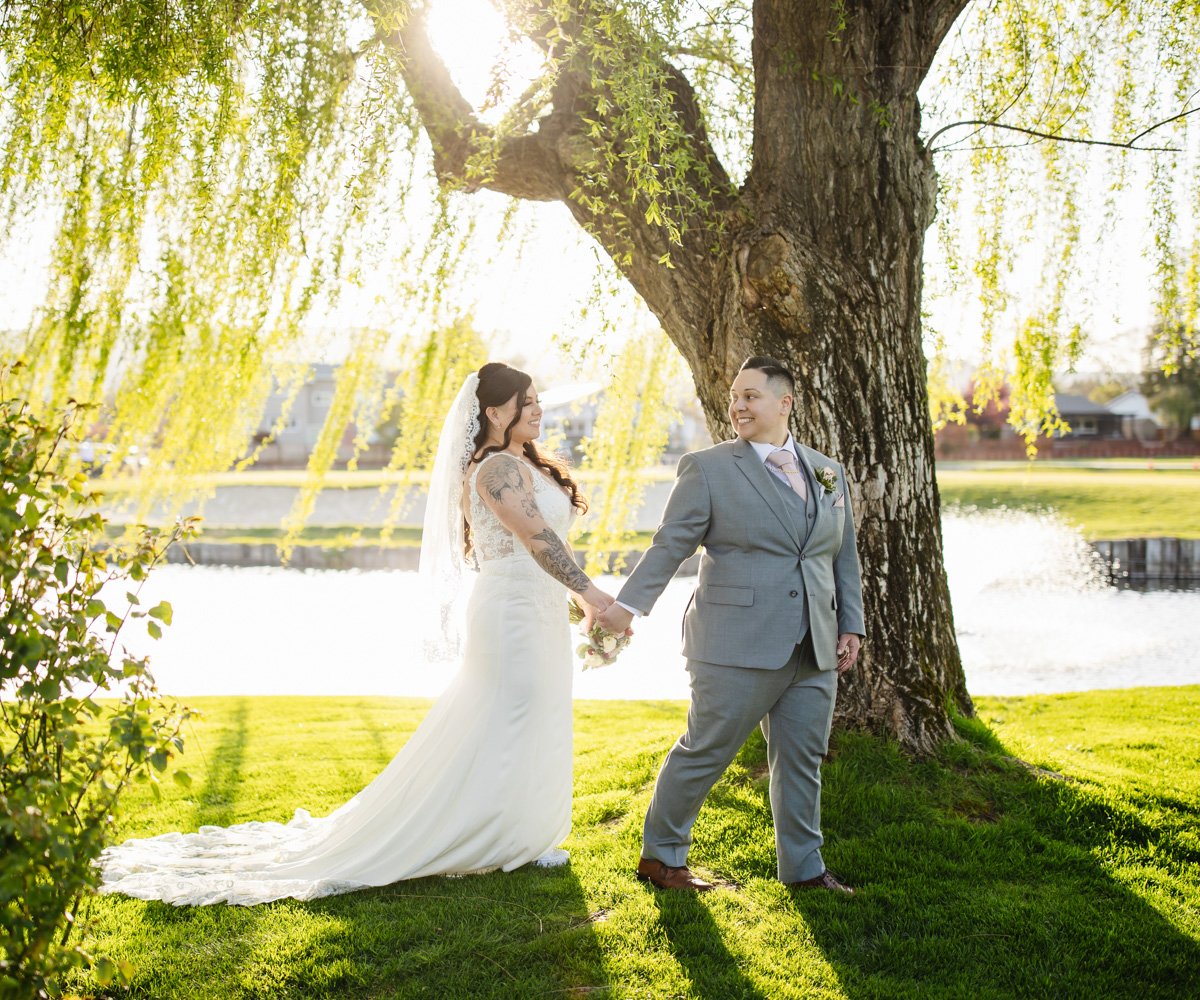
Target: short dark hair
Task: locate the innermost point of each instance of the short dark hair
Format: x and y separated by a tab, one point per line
782	382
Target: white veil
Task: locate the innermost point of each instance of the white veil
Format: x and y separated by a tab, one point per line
442	573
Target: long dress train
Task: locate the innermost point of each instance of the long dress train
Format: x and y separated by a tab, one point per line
484	783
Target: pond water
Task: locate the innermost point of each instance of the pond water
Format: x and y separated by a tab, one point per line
1031	607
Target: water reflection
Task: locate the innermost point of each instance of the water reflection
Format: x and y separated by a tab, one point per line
1035	613
1031	605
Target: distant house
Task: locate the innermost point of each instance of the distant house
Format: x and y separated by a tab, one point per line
1137	419
574	422
1125	427
294	442
689	433
1089	420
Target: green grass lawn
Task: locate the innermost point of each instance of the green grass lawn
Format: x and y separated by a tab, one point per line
1106	502
319	535
978	877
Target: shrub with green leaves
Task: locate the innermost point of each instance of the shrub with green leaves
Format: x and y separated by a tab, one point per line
80	718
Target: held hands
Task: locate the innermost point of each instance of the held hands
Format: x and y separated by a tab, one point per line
848	645
594	601
616	619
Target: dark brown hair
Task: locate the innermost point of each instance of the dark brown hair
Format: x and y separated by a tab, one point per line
778	377
498	383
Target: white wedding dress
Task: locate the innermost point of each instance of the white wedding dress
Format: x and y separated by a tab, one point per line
483	784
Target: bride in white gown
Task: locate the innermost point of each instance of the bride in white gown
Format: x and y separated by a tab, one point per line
485	781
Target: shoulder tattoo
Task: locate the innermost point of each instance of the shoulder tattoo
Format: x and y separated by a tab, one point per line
500	476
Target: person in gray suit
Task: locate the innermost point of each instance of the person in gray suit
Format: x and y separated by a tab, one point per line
776	616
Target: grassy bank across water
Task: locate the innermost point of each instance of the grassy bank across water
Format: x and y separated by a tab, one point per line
1105	502
978	876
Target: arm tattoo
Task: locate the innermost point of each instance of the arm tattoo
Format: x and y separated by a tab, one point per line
555	558
502	475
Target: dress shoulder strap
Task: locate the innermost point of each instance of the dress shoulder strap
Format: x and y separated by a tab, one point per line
486	458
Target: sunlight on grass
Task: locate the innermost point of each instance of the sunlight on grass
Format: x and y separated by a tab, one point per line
978	875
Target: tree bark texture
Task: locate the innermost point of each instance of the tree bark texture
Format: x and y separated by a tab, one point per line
817	260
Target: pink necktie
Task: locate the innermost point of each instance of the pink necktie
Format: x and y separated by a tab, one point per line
783	460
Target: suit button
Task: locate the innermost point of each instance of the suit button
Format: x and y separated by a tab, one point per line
811	516
802	557
793	593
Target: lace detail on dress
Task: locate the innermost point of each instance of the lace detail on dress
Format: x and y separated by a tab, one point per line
492	540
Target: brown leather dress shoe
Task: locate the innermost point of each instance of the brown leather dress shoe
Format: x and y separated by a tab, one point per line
666	877
826	880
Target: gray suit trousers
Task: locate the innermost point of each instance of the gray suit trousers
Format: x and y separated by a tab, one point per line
794	705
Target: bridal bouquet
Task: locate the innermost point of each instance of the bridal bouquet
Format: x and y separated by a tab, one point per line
602	647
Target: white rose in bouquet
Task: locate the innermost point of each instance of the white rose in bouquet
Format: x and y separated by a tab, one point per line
600	648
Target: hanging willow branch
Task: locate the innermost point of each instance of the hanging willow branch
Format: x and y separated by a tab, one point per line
217	174
1066	78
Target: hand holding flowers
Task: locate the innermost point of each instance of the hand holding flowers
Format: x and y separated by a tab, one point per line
602	647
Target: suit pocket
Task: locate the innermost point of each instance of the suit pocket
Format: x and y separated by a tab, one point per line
742	597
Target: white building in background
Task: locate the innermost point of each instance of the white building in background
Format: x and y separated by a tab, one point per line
294	442
565	426
1137	419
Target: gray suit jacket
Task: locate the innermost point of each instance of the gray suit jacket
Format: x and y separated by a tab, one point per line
755	566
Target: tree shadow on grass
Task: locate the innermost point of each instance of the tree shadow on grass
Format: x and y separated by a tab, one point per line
697	943
223	771
517	934
385	742
979	876
526	933
378	738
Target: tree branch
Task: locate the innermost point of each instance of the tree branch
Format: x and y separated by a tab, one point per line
1129	144
1157	125
711	54
583	137
937	18
522	166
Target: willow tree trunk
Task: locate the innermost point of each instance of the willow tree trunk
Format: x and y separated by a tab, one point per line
821	267
843	311
816	260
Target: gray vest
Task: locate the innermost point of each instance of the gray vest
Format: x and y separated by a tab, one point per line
802	513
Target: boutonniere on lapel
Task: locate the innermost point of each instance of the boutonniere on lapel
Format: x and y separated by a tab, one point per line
827	477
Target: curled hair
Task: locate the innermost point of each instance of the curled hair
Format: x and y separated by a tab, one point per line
498	383
780	379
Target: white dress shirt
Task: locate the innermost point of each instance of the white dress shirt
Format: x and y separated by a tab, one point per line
763	450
